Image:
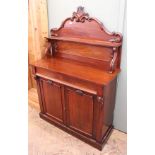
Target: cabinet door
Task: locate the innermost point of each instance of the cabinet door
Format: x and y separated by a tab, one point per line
51	94
79	111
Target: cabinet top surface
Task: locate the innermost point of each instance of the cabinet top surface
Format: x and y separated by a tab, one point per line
75	70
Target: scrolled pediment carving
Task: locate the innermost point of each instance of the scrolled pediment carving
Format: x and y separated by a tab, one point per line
80	15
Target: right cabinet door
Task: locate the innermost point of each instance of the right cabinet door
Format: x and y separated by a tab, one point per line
79	111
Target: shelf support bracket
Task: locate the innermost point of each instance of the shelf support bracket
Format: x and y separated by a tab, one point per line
112	63
51	47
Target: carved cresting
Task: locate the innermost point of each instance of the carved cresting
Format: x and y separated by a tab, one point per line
80	15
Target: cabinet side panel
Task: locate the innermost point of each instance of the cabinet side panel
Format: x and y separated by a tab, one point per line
109	104
98	119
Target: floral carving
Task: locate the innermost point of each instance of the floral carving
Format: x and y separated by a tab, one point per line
80	15
118	37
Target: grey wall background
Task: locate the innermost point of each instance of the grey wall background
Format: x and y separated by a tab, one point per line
120	113
113	15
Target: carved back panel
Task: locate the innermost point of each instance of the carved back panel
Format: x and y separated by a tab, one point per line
85	39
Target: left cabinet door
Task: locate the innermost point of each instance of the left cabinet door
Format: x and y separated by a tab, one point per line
52	99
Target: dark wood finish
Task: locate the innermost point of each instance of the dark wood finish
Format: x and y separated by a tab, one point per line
79	111
76	80
86	41
52	99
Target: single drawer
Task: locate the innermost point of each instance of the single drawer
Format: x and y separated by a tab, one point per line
70	81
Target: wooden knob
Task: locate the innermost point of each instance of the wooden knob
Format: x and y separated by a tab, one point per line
79	92
50	82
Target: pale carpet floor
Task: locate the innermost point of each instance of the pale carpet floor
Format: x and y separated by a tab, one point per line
46	139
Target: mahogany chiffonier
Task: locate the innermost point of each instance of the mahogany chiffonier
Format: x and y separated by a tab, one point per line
76	80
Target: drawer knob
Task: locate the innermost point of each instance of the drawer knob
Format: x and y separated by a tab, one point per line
79	92
50	82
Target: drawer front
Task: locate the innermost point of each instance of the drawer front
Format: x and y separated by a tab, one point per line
52	101
79	111
70	81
